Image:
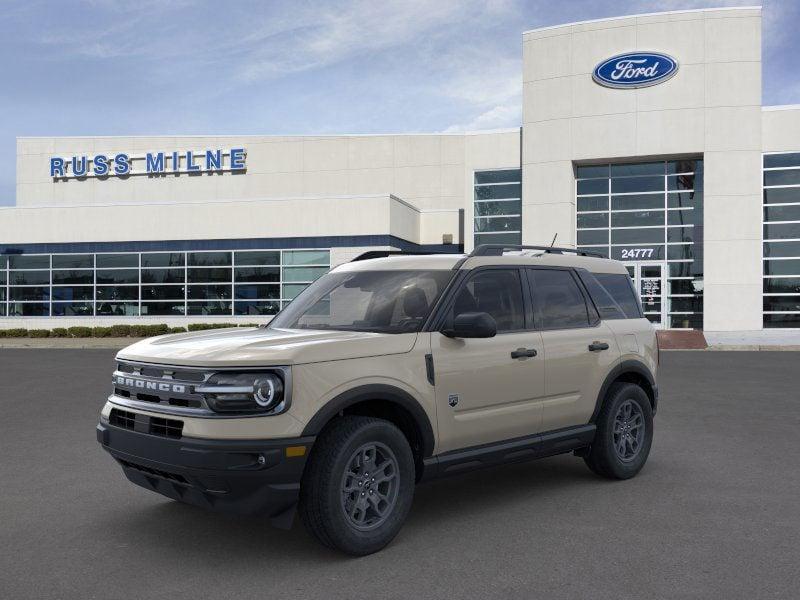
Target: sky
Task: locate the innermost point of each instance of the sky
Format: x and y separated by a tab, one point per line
161	67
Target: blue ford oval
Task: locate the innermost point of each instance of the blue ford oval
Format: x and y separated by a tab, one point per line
635	70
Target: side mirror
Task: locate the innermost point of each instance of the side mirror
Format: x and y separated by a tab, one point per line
472	325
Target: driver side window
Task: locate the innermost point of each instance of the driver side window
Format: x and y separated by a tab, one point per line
497	292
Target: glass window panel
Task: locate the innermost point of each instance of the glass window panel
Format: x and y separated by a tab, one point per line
685	200
680	252
307	274
637	202
592	237
306	257
651	168
2	294
680	234
26	261
686	321
163	259
2	277
209	259
500	176
28	309
621	290
782	303
598	249
637	184
593	220
782	195
591	171
684	217
257	274
559	301
685	286
291	291
593	203
782	267
209	308
483	209
637	219
682	269
214	275
257	292
257	258
593	186
162	292
2	310
256	308
782	231
116	261
781	249
684	166
73	261
3	261
498	224
73	309
162	308
782	160
694	304
497	292
29	277
640	252
29	293
788	177
494	192
163	275
125	292
683	182
782	213
637	236
73	277
209	292
84	292
117	276
782	285
776	321
117	309
498	238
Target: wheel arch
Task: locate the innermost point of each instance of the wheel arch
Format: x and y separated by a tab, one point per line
387	402
629	371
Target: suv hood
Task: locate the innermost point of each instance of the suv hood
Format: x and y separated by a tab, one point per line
257	346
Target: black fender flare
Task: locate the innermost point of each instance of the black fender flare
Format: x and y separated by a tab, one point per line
375	391
626	366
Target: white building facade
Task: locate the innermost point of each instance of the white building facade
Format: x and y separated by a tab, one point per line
664	158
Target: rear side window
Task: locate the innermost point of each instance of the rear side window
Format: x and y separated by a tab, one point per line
620	288
606	305
559	301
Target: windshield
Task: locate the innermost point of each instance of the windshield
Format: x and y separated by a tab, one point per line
376	301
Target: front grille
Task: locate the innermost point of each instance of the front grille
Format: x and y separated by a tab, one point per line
171	428
122	418
166	386
156	472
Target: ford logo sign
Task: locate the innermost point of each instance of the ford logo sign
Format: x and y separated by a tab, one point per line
635	70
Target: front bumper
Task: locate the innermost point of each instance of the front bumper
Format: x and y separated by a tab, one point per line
248	477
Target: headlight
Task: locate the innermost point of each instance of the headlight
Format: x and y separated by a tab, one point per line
245	393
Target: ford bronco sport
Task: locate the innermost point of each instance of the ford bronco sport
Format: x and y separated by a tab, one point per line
385	372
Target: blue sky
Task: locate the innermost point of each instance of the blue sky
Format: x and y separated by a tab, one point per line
102	67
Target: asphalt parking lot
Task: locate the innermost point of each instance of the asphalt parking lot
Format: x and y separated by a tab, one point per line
714	514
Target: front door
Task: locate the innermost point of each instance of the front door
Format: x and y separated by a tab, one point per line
649	278
489	389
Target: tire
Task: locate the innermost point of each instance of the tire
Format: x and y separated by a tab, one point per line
331	505
612	454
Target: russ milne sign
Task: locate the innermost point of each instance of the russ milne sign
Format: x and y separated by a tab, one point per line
151	163
635	70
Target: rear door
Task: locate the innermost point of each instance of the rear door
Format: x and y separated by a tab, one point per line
579	349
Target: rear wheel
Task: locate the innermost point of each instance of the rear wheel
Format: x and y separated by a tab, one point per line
624	433
359	484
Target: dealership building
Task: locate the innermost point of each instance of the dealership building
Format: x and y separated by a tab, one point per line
643	138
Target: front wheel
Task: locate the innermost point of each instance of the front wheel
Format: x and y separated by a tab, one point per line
359	484
624	433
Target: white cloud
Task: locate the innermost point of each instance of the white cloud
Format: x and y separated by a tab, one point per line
497	117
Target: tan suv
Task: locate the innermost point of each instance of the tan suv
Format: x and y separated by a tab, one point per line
387	371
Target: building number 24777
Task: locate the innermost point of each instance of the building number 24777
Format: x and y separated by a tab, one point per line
637	253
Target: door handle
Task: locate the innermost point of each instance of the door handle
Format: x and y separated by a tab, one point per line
597	346
523	353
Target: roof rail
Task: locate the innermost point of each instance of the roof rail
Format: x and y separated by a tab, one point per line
498	249
384	253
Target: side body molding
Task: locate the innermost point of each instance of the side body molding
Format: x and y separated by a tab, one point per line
375	392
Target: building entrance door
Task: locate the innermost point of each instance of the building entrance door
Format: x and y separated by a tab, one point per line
649	278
